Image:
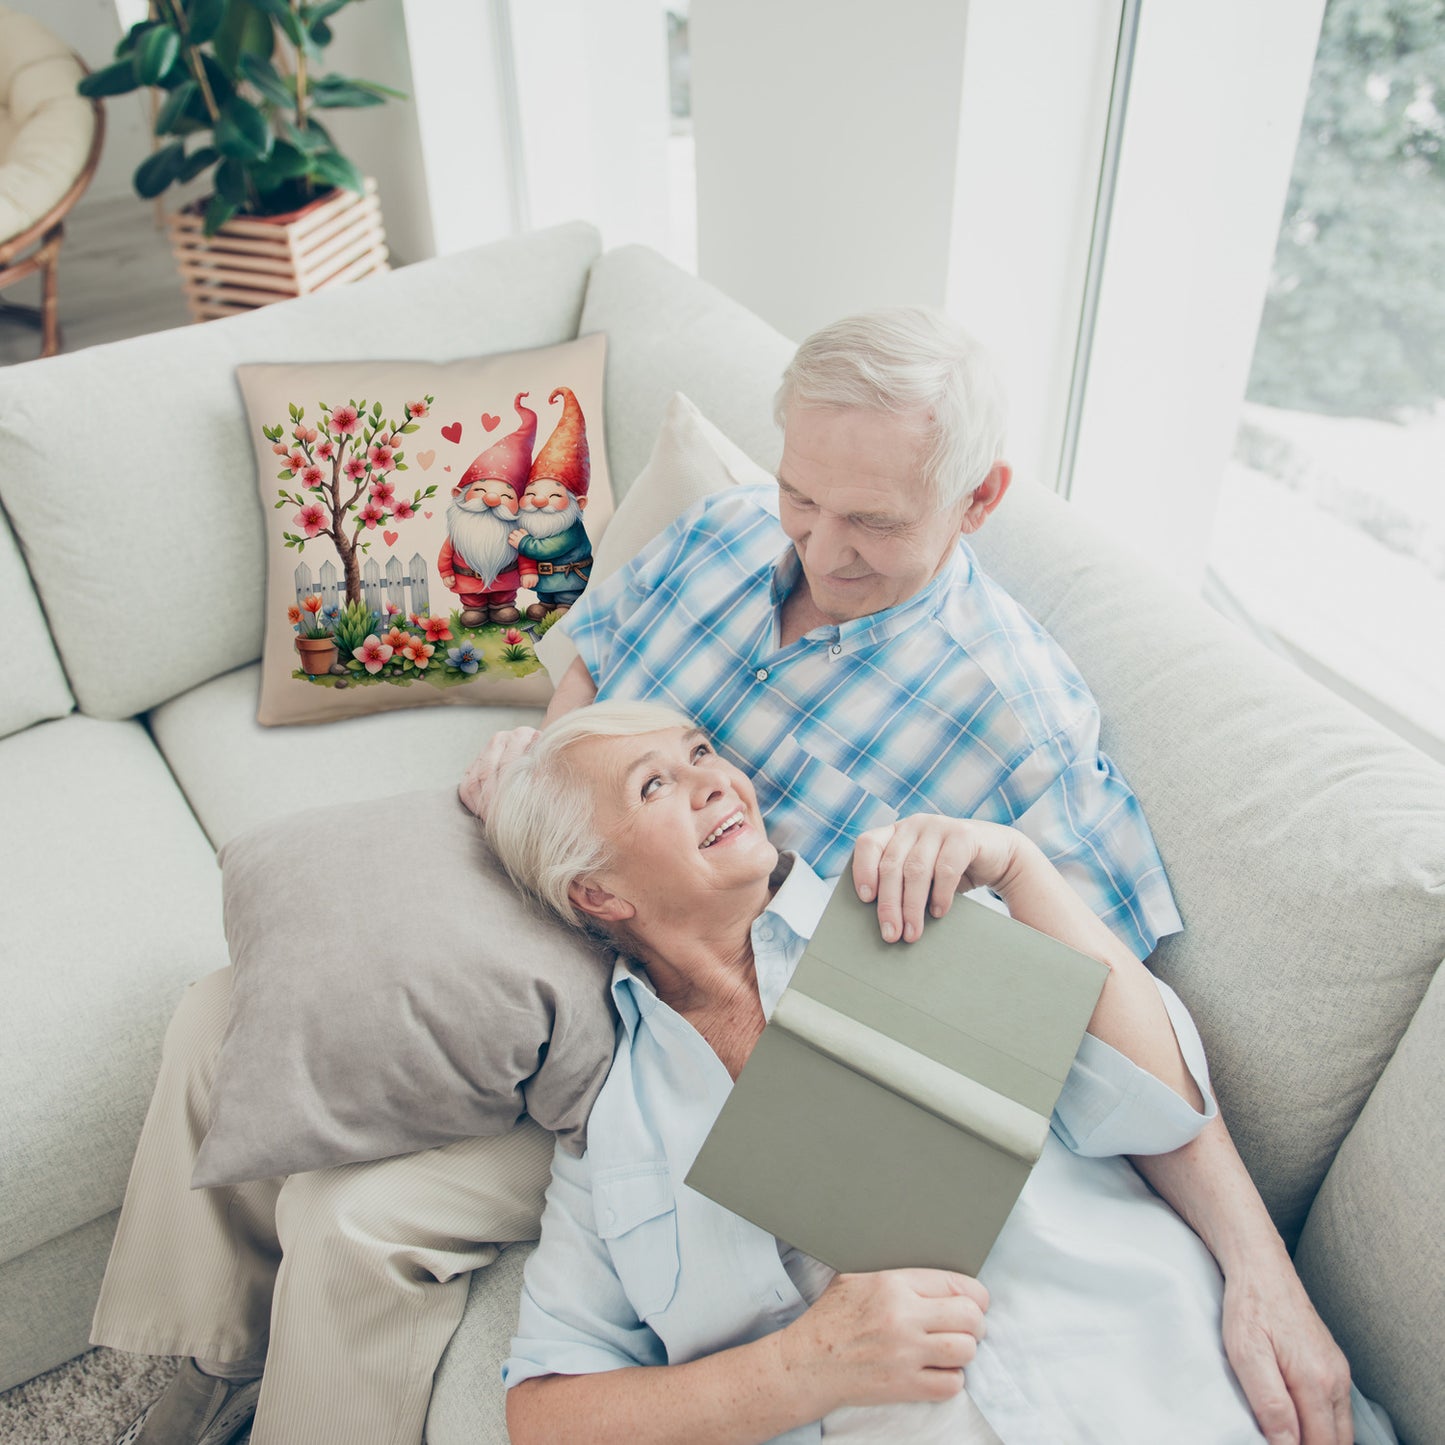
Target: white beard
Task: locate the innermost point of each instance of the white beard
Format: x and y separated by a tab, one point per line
479	538
548	523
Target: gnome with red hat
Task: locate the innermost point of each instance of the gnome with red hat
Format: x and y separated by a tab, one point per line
554	554
478	561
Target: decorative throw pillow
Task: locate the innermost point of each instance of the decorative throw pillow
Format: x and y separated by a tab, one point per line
691	459
372	1018
425	525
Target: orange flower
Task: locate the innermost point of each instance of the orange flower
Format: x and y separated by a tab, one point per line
417	652
313	603
396	639
293	615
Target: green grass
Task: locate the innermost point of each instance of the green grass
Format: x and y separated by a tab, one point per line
498	660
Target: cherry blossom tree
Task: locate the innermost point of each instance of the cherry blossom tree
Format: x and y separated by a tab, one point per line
345	468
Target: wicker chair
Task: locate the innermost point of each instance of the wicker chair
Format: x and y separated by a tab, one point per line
50	140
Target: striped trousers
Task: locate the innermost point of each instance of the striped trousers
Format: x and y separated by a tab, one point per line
348	1281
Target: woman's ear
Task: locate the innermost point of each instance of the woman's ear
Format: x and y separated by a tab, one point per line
596	902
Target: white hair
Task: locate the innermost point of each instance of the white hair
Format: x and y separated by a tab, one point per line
542	820
908	360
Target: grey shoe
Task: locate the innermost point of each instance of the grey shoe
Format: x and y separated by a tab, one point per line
195	1409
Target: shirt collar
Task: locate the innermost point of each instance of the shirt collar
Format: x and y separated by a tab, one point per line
879	626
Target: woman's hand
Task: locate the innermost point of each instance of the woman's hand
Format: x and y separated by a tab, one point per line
897	1335
918	864
475	788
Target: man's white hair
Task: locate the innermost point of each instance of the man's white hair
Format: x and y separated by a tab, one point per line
542	820
908	361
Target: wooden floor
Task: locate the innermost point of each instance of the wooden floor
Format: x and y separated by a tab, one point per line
117	279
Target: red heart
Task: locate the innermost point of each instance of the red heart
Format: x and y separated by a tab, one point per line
491	422
390	538
453	433
427	515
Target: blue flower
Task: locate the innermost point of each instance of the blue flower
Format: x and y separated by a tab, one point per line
333	613
464	658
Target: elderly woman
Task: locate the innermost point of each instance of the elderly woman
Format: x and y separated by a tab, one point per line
653	1314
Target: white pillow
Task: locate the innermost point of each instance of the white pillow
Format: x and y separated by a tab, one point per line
691	459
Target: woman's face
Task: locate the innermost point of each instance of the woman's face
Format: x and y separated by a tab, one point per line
682	824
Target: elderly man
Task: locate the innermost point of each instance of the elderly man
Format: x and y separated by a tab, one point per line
839	642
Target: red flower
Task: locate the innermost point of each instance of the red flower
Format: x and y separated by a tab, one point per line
371	514
380	458
326	449
437	630
344	420
396	639
511	637
297	460
382	492
414	618
355	469
415	409
313	518
403	510
312	476
312	603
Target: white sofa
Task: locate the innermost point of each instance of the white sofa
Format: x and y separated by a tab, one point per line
1305	845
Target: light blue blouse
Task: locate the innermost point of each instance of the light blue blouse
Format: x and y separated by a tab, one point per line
1104	1321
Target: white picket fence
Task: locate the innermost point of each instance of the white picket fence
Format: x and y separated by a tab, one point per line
403	588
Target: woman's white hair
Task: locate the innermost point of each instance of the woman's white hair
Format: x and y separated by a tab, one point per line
908	361
542	819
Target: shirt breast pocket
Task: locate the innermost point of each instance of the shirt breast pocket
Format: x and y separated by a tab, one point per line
636	1212
816	809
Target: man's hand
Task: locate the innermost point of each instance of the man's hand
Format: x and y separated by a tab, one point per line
516	535
1295	1377
475	788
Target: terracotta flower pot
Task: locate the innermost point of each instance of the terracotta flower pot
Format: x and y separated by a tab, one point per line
255	260
317	654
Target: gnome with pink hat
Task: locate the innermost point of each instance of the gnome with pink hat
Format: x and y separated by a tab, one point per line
554	554
478	561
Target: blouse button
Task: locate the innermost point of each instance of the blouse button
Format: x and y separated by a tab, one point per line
761	674
836	648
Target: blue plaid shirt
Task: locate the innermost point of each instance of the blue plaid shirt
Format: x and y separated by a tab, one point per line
954	702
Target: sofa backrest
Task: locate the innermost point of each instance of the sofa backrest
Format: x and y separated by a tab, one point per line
35	688
129	476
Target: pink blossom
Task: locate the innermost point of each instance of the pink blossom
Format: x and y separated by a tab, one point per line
313	518
511	637
392	610
373	654
371	514
402	510
417	652
344	420
281	449
382	492
326	449
437	630
380	458
394	440
355	468
305	433
312	476
414	618
415	409
297	460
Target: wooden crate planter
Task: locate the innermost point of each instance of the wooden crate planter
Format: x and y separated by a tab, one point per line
255	260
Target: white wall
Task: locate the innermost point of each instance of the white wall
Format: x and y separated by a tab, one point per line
827	141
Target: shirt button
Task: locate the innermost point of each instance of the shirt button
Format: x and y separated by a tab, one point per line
836	648
765	933
761	674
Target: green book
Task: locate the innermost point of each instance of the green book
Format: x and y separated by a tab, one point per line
900	1094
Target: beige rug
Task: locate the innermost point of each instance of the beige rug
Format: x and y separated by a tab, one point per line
86	1402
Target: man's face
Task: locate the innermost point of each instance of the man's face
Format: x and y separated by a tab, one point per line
543	494
490	494
851	500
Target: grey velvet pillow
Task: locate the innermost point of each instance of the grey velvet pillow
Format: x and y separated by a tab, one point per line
392	992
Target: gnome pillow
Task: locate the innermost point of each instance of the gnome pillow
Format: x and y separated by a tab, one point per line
420	540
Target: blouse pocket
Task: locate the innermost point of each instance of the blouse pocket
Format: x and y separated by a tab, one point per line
636	1213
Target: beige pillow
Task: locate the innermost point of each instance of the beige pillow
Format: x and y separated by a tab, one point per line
410	609
691	460
392	993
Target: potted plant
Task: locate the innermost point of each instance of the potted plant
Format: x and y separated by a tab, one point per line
314	640
240	84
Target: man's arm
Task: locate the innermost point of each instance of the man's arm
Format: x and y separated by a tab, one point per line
1295	1377
575	690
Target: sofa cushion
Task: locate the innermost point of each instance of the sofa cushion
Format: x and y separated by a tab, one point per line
122	460
475	421
35	687
237	774
1372	1254
1301	840
111	905
669	332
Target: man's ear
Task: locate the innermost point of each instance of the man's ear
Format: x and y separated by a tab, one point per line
581	504
596	902
986	496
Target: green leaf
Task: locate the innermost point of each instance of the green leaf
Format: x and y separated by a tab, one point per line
197	162
157	52
131	38
333	168
244	31
218	212
203	19
278	89
288	474
117	79
221	82
323	10
231	182
288	163
276	507
383	90
312	141
411	426
242	132
332	92
157	171
175	105
320	36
